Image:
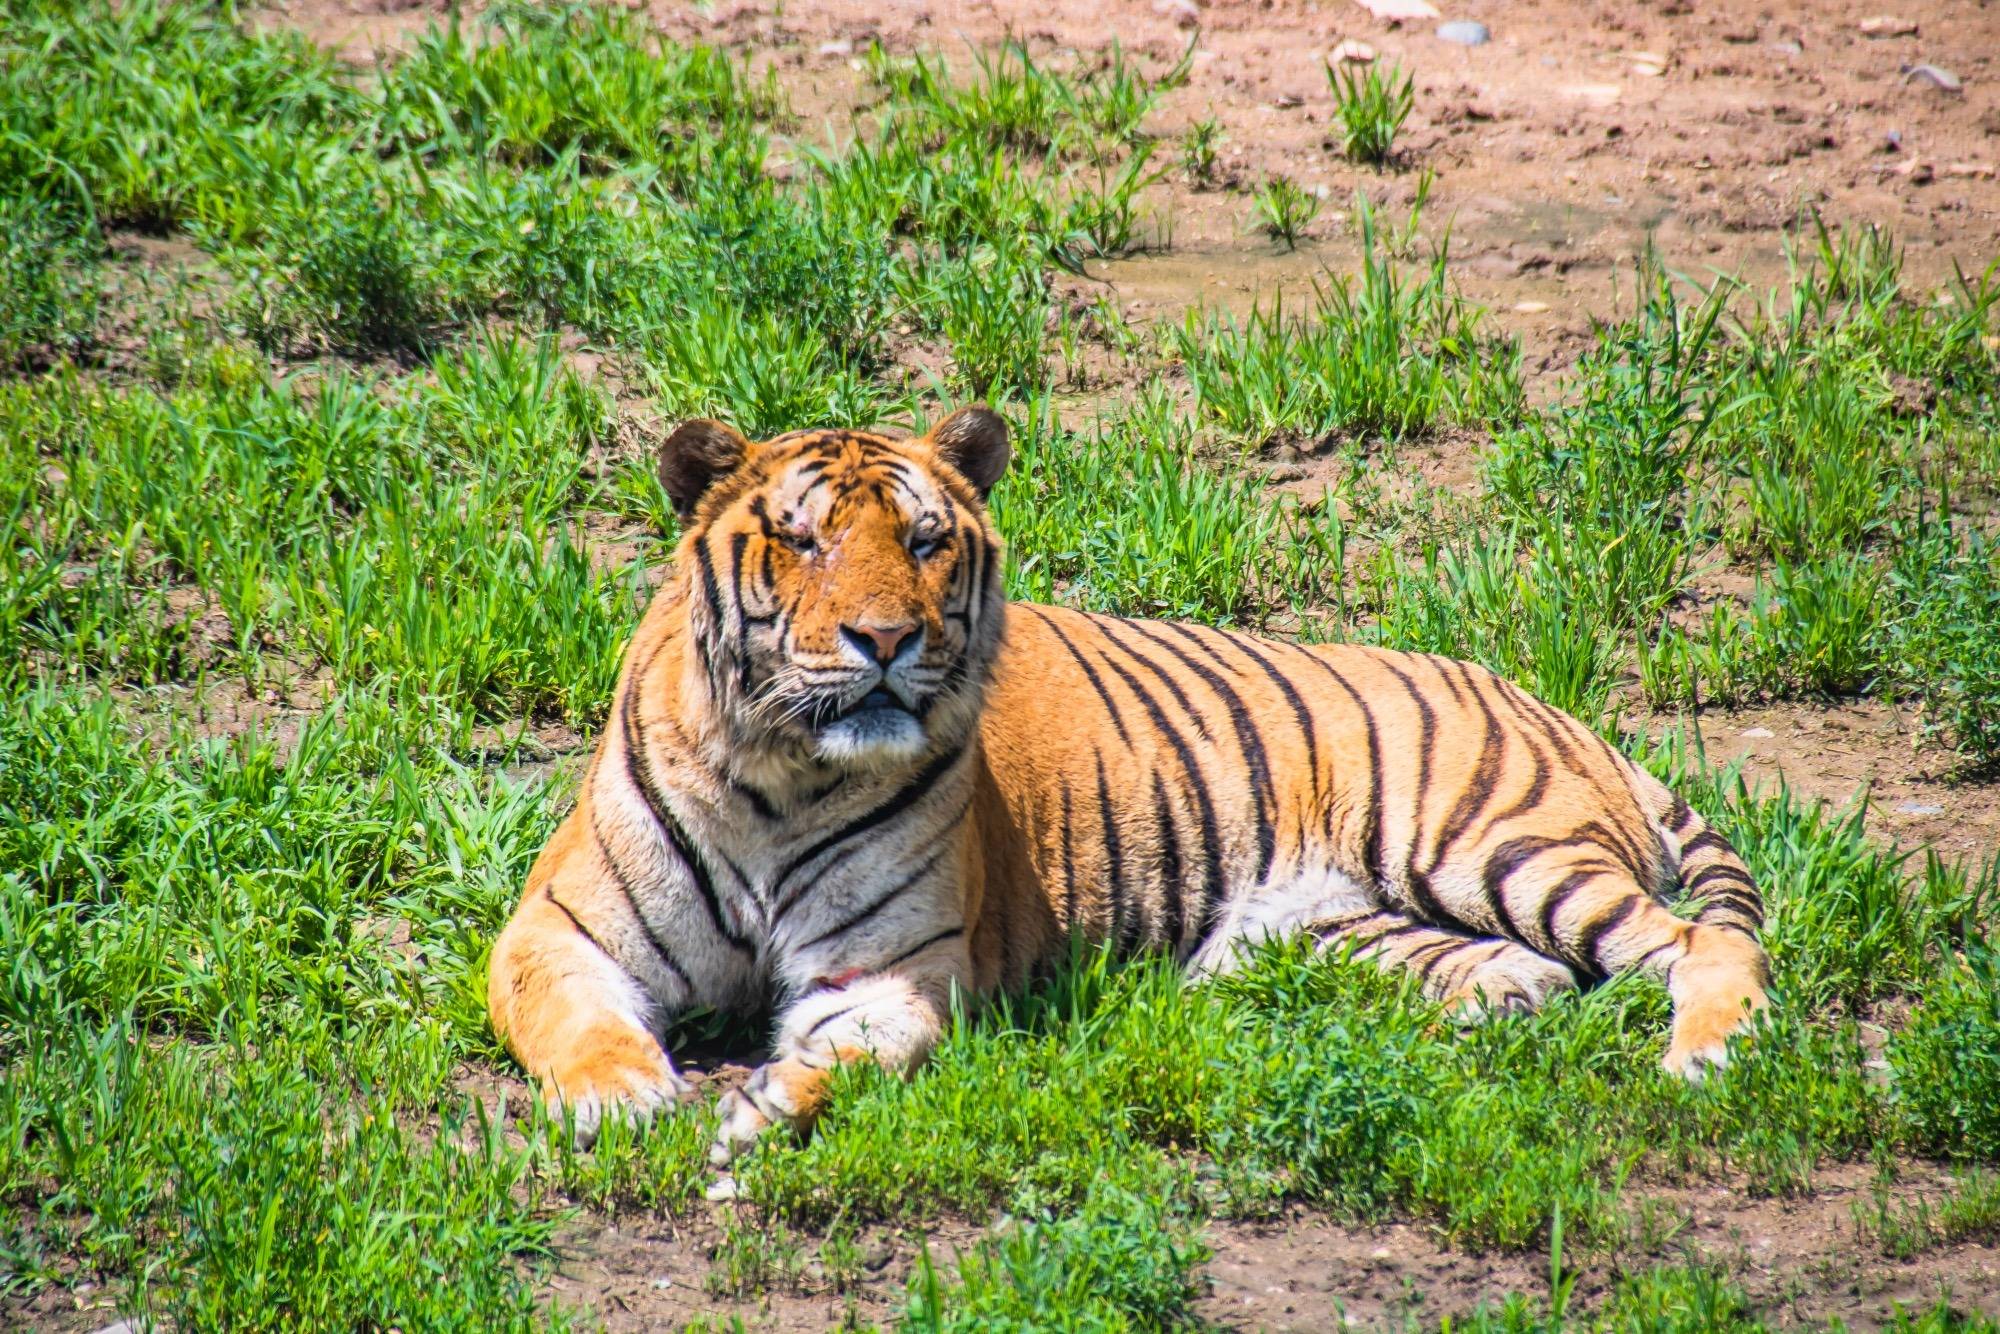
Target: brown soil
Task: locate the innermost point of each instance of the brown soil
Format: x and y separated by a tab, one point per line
1577	137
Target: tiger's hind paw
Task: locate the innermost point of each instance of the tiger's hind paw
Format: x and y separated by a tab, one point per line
1700	1045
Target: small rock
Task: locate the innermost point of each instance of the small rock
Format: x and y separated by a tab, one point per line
1379	1253
1888	25
1788	48
1646	69
1969	170
721	1190
1941	79
1351	52
1279	473
1597	94
836	49
1530	307
1756	733
1399	11
1742	34
1918	808
1464	32
122	1327
1892	142
1184	13
1286	101
662	1283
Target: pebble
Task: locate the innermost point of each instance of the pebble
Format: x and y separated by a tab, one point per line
1918	808
1464	32
1788	47
836	48
1597	94
1530	307
1399	11
1756	733
1351	52
1184	13
1888	25
1937	78
122	1327
721	1190
662	1283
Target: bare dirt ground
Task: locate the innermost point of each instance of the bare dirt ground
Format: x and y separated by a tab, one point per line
1577	137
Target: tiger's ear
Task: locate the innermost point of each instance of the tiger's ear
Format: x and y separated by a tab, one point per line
974	441
695	455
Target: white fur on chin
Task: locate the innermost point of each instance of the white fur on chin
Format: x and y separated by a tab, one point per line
874	738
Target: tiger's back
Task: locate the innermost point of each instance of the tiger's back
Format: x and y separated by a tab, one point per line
844	778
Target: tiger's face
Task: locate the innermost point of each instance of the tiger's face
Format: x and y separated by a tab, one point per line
845	588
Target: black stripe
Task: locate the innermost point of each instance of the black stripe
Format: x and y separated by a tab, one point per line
1508	858
624	886
1425	901
826	1019
1588	944
1249	741
1068	860
1706	840
919	948
739	543
1717	871
1479	789
905	797
1096	681
639	769
1372	830
581	929
1303	715
1170	861
1438	956
1678	815
1404	927
758	801
1211	838
712	593
1114	859
1555	725
1564	890
880	902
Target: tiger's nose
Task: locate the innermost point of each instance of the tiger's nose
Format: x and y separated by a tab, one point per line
880	642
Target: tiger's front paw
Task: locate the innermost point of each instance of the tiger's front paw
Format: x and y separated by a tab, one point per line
629	1077
785	1092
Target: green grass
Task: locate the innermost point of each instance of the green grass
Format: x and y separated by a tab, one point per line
1371	105
1389	352
290	596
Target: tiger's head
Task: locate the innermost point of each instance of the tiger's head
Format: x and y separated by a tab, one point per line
843	589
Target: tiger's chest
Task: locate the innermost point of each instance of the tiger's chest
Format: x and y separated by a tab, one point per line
815	888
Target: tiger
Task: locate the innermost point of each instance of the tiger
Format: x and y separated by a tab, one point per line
844	780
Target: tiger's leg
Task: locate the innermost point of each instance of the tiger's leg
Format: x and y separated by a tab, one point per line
578	1022
1594	915
1473	976
891	1016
